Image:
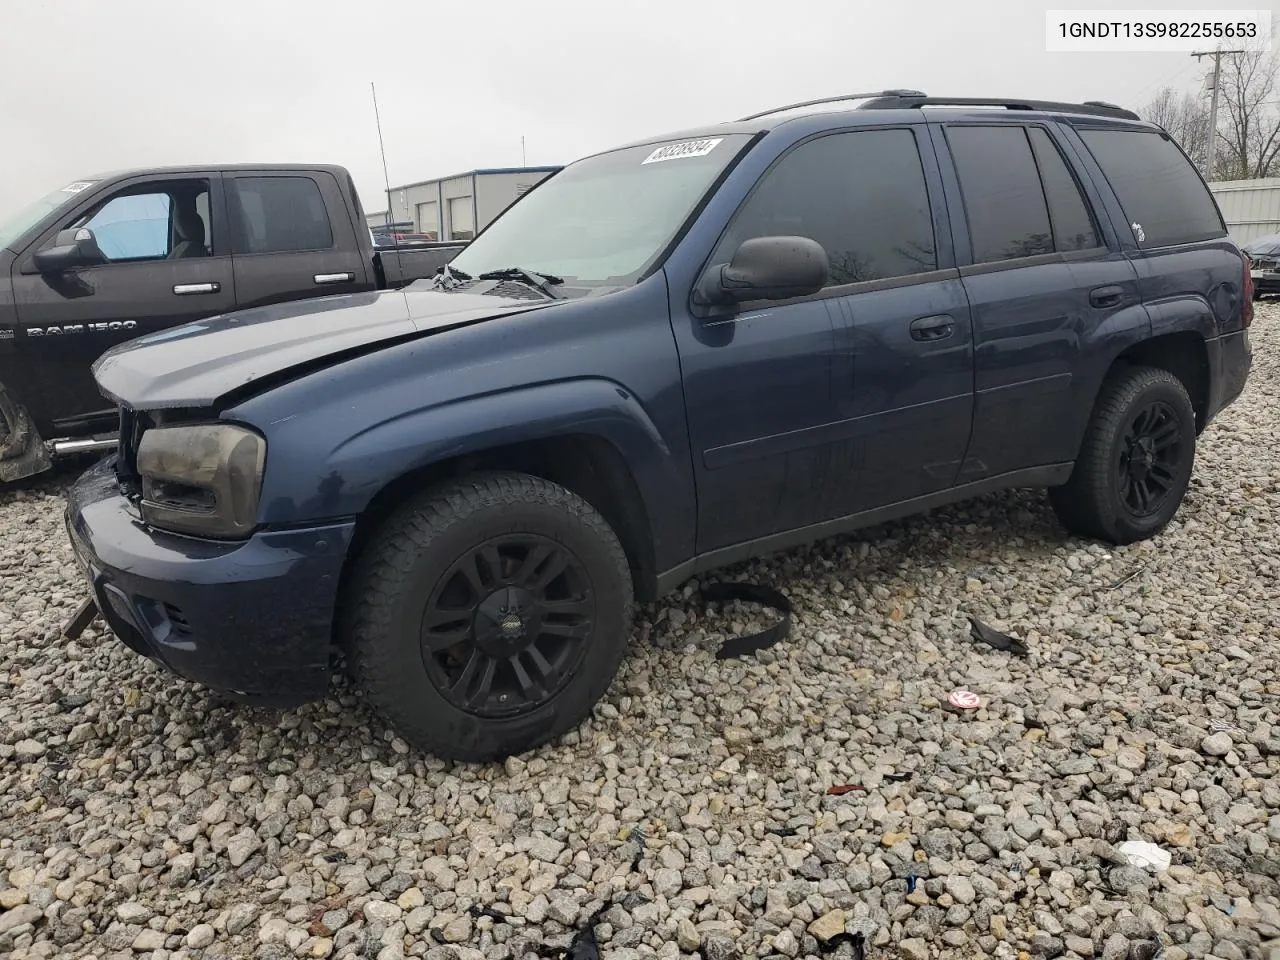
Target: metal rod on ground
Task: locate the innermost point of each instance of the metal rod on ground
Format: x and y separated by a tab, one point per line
1213	105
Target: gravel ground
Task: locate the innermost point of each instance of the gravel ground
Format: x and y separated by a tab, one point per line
144	817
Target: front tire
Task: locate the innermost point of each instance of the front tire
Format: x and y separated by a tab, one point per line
487	617
1136	460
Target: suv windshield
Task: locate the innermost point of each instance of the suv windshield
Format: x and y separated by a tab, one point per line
12	227
604	220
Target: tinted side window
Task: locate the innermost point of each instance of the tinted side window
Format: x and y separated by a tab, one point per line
1003	199
278	215
1072	226
861	195
1163	197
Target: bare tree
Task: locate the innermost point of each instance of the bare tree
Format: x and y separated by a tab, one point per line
1185	117
1248	117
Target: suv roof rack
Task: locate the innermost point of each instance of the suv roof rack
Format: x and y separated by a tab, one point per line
907	99
1099	108
821	100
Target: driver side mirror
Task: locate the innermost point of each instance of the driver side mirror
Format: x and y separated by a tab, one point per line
768	268
77	247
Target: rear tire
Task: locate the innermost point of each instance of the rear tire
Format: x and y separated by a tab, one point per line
1135	462
488	616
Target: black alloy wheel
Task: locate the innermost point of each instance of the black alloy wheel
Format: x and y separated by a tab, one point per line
1135	459
507	625
487	615
1149	457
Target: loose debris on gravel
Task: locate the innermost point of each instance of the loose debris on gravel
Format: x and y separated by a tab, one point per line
143	817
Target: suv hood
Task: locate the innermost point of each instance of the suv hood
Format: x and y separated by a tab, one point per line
197	363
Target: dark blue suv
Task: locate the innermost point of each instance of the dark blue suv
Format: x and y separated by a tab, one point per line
665	358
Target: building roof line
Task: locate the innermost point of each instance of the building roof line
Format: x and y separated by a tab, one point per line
485	171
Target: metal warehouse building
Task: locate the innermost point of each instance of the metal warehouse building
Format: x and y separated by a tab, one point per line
460	206
1250	207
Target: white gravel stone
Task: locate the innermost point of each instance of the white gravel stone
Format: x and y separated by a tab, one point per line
1146	711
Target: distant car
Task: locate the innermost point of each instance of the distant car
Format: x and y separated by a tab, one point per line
1264	253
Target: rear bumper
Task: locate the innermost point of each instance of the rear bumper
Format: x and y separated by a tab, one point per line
1266	283
252	619
1230	359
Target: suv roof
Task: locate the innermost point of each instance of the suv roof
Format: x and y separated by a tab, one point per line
893	100
908	99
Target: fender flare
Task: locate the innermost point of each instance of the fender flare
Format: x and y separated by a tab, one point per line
357	467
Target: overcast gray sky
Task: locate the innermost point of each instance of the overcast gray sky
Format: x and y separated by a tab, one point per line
91	85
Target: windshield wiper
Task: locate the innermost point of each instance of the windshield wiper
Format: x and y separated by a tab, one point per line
539	281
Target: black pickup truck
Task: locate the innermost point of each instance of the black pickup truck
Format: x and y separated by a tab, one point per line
110	258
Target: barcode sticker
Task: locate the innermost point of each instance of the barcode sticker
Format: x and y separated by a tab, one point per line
684	150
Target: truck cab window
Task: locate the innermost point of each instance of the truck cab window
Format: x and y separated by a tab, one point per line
278	215
167	221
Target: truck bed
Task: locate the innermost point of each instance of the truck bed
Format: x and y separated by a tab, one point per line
403	266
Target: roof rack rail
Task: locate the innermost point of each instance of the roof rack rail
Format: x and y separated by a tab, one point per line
822	100
891	100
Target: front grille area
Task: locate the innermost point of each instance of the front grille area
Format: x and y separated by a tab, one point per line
177	620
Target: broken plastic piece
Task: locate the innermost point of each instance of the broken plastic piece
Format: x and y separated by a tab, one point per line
911	883
781	831
80	620
750	593
478	911
855	939
897	777
584	945
842	788
1140	853
994	638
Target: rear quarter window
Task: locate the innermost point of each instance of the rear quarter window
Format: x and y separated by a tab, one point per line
1163	197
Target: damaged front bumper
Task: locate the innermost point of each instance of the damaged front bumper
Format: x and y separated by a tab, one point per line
252	619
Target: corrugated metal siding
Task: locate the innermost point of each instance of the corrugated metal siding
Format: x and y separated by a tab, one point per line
1250	207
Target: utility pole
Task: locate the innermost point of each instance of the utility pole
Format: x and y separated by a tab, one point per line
524	159
1213	103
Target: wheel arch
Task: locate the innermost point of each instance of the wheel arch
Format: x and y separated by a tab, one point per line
1183	354
587	464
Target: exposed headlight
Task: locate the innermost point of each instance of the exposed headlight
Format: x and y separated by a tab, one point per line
202	479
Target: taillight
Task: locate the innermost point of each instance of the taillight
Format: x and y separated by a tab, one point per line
1246	314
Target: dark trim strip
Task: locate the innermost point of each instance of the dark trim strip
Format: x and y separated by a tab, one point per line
1046	476
1047	384
744	451
828	293
1068	256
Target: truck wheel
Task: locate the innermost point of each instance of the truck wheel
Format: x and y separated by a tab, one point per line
1135	462
487	617
22	452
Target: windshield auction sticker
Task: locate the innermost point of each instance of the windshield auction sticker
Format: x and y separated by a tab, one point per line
78	186
682	151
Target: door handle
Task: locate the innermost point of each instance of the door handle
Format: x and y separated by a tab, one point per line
187	289
334	277
932	328
1107	296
